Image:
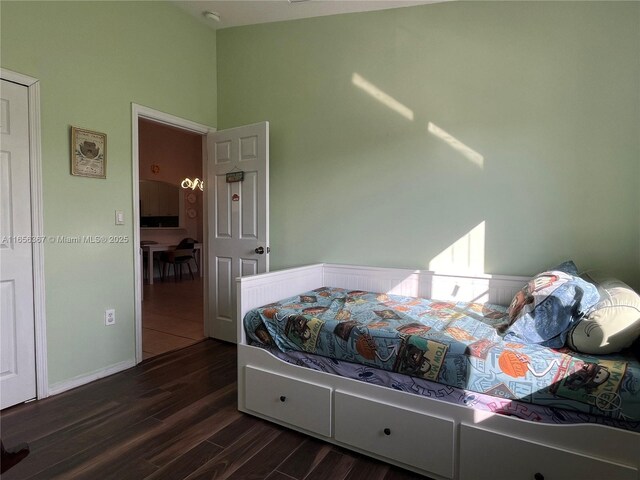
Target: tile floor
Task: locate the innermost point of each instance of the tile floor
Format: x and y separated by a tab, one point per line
172	315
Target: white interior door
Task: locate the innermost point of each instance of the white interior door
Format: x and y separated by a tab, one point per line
17	352
238	220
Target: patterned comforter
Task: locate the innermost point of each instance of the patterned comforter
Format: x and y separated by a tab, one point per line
455	344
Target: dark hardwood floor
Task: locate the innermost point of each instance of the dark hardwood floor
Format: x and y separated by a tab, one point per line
171	417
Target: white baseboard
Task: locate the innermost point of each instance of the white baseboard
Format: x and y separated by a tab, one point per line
80	380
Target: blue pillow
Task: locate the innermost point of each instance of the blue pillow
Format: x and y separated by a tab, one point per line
567	267
546	308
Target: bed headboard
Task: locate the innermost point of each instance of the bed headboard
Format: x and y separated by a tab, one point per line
498	289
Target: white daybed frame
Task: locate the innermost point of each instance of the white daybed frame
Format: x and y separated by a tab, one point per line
425	435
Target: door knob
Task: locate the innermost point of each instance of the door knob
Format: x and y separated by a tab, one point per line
259	250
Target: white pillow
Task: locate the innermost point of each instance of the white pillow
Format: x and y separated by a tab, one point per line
612	324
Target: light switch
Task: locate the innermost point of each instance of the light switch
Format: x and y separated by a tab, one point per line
119	217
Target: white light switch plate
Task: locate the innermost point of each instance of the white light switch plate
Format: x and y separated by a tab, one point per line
119	217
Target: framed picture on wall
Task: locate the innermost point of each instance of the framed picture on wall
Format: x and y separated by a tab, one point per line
88	153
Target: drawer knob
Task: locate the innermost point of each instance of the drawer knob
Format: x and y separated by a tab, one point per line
387	431
283	398
538	476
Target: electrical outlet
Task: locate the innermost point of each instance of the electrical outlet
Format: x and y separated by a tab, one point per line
110	317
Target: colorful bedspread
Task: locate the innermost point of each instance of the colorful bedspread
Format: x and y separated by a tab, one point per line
419	386
455	344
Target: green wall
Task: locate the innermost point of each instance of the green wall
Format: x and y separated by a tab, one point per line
545	92
93	59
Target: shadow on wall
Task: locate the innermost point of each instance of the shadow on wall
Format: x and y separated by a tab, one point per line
465	255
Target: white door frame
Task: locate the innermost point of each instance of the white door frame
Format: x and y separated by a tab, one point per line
138	112
37	227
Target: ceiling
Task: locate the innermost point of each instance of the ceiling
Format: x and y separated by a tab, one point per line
248	12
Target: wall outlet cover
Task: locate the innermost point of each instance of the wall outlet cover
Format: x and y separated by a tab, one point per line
110	317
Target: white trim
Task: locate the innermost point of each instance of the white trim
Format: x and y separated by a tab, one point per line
37	227
16	77
80	380
137	112
171	120
204	253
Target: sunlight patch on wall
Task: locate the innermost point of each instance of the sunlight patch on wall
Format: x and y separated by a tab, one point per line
471	155
465	255
382	97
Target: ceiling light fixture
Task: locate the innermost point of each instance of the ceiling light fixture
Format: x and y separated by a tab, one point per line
298	1
212	16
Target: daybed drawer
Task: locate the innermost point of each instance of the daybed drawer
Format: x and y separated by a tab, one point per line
303	404
493	456
399	434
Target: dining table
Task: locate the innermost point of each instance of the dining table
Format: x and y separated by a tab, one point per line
149	249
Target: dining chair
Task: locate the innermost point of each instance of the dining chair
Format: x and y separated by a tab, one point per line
182	255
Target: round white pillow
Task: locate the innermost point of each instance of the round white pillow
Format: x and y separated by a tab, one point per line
614	322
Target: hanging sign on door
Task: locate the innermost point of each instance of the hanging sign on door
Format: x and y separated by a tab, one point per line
233	177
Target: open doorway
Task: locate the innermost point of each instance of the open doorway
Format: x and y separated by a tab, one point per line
171	234
169	211
235	206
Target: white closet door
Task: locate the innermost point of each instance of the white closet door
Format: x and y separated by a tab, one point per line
17	344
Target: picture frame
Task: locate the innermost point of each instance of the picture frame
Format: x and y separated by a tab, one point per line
88	153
